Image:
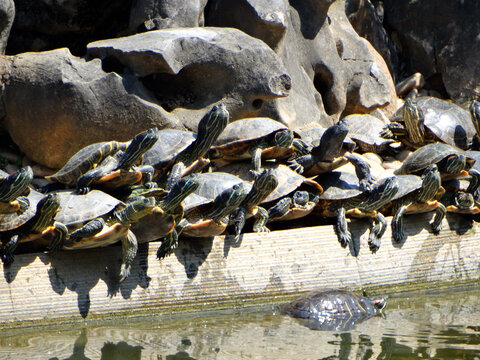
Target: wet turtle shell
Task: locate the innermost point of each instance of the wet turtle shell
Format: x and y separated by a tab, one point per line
334	309
365	131
86	159
430	154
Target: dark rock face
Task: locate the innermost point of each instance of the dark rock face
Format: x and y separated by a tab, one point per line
440	40
7	13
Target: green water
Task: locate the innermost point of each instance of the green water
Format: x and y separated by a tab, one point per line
419	326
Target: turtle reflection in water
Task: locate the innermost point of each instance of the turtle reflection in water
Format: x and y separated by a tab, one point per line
334	310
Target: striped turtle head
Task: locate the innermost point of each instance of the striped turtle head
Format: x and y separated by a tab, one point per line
139	145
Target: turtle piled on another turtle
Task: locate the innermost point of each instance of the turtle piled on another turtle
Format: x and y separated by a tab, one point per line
364	130
334	310
253	138
97	219
13	191
428	119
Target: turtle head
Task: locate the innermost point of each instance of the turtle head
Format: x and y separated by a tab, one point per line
464	200
454	164
16	184
227	201
139	145
266	181
474	183
331	142
379	303
475	114
47	208
180	190
300	198
284	138
215	121
414	119
381	194
135	210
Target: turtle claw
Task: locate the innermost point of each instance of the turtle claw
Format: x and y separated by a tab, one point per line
296	167
374	244
124	272
261	229
82	190
344	238
169	244
397	234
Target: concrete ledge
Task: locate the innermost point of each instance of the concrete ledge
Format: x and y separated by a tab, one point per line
219	273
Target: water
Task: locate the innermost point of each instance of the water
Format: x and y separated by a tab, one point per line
438	326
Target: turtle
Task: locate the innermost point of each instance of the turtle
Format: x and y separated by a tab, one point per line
451	161
312	134
428	119
209	129
364	130
13	189
416	194
326	156
334	310
118	170
474	109
97	219
84	160
344	196
293	197
253	138
460	202
36	222
207	210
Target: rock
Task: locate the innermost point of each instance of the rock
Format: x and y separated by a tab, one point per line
7	13
146	15
191	68
443	47
71	103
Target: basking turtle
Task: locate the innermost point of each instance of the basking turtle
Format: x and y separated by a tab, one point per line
460	202
326	156
344	196
35	223
451	161
334	310
84	160
365	130
98	219
118	170
416	195
253	138
475	115
13	189
207	210
428	119
312	136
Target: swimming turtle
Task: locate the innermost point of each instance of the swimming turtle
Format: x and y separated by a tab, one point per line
207	210
97	219
364	130
429	119
36	222
119	170
451	161
326	156
13	189
417	194
253	138
334	310
84	160
344	196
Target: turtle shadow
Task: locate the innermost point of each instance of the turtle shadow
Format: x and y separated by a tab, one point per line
461	224
357	228
11	270
192	252
80	271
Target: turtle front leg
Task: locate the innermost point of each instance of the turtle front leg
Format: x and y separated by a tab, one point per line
239	218
129	251
8	250
398	233
89	229
23	203
170	242
280	209
376	232
148	172
60	234
341	228
257	161
261	221
393	130
440	213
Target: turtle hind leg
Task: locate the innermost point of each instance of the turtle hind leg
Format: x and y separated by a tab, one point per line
8	250
260	222
341	228
376	232
129	251
440	213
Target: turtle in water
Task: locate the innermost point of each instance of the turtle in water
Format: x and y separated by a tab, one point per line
118	170
428	119
209	129
326	156
253	138
207	210
334	310
97	219
84	160
344	196
451	161
36	222
417	194
13	190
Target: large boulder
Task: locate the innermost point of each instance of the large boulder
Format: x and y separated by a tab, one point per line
7	13
334	71
440	40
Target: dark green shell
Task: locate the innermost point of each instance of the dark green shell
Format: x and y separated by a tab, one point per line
339	185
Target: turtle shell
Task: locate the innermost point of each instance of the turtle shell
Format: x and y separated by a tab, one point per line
13	221
430	154
86	159
365	130
169	144
339	185
406	185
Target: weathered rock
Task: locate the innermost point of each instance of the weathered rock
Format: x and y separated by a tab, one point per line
146	15
7	13
189	69
56	103
334	71
440	40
